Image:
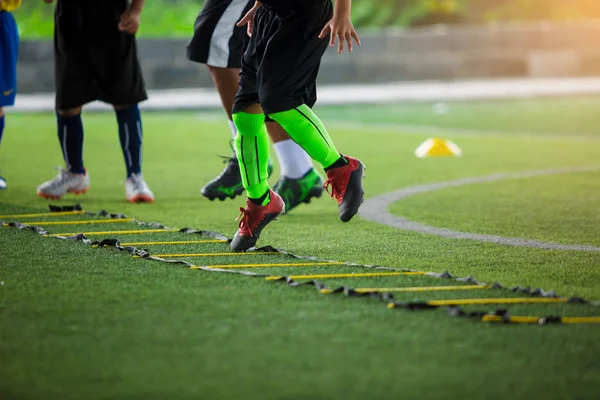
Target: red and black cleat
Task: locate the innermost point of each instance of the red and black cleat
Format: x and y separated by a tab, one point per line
346	187
253	219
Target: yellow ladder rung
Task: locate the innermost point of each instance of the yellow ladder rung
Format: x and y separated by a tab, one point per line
361	275
515	300
249	253
225	266
536	320
171	243
135	232
49	214
84	222
413	289
580	320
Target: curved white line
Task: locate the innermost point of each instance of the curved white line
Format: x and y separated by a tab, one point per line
376	209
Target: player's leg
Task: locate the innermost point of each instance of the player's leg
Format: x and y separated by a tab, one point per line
289	66
70	135
122	84
252	149
228	184
226	81
9	44
131	139
74	177
344	173
2	180
298	182
293	160
219	44
252	144
74	88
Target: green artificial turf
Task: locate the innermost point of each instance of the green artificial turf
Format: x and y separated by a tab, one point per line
80	322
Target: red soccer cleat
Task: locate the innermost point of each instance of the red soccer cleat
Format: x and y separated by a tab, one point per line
253	219
346	187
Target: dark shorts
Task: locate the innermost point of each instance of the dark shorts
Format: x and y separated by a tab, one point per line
281	63
9	50
93	59
217	41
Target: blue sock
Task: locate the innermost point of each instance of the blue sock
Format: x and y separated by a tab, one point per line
70	134
1	127
130	135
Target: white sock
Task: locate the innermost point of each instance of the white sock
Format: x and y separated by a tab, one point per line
293	160
233	128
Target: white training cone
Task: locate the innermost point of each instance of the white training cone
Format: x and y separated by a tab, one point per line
435	147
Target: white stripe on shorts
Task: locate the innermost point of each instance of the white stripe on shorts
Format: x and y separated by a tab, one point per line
218	54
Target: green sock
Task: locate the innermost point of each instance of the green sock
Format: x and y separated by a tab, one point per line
252	150
308	131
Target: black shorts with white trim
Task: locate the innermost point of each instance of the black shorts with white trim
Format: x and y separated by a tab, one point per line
217	41
93	59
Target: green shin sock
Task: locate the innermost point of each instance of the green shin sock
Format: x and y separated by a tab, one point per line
306	129
252	150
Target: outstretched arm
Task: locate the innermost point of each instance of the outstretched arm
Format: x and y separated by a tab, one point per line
340	26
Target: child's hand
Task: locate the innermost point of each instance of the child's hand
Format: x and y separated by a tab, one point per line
342	28
248	19
130	21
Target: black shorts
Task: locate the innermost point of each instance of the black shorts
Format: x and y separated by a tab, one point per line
93	59
281	63
217	41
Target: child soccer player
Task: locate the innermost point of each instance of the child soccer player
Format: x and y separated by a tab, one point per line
9	47
95	58
219	44
288	39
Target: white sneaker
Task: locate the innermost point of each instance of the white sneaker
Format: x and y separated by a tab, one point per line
137	191
2	183
65	182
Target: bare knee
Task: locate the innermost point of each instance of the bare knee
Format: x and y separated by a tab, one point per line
1	112
70	112
254	108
